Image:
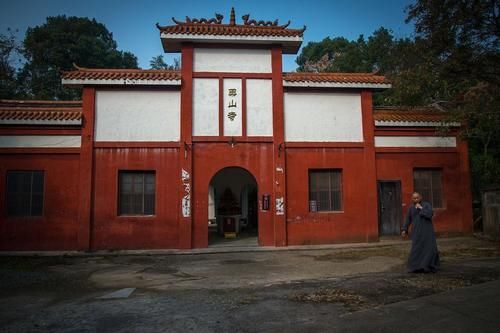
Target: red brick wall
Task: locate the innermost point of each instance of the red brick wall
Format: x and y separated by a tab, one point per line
57	229
457	214
110	231
354	223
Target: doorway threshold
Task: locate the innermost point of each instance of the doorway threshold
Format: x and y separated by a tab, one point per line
221	242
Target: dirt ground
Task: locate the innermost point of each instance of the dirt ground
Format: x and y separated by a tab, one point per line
227	292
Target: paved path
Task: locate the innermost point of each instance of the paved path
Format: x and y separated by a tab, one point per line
236	248
338	288
472	309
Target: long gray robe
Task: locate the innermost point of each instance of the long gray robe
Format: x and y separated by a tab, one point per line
424	256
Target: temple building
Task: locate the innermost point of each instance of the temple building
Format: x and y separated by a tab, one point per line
228	145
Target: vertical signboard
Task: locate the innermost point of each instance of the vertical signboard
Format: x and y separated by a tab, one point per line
232	107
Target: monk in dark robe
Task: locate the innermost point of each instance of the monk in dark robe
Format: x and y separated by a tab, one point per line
424	256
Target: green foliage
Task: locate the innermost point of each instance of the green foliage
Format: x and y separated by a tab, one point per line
159	63
485	171
398	59
8	50
462	37
461	42
58	44
453	61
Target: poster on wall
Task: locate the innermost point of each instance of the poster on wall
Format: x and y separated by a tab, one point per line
313	206
280	206
186	198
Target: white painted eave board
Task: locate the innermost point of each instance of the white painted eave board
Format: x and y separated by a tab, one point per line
172	42
309	84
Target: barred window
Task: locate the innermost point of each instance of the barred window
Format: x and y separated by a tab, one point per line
325	190
25	193
428	183
136	193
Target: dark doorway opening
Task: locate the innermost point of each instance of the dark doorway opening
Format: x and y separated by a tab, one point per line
389	207
233	208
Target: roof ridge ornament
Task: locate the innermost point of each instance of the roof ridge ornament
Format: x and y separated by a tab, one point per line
232	21
262	23
232	18
217	20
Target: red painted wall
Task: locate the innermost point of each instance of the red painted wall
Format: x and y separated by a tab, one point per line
354	224
57	229
208	159
110	231
456	217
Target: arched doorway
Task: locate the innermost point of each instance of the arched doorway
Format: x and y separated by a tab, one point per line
233	208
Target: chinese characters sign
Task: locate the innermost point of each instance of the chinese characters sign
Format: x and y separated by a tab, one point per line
232	107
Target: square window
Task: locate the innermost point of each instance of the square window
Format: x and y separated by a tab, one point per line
24	196
325	190
428	183
136	190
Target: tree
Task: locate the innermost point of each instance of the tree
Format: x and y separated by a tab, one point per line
61	42
8	49
462	36
398	59
159	63
334	55
453	61
461	40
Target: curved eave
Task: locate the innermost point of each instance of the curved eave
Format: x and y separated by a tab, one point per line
390	123
173	42
357	85
76	122
119	82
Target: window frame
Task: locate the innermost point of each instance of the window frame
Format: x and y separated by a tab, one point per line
432	192
42	193
330	171
119	205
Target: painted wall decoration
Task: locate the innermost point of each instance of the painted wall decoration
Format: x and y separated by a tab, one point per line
280	206
186	199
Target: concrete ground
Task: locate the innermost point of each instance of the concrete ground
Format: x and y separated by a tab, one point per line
310	289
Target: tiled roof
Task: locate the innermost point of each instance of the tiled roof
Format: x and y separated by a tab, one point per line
335	77
418	116
231	30
121	74
16	112
215	27
213	30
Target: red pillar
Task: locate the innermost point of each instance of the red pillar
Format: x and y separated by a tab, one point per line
186	150
370	189
86	170
279	162
465	181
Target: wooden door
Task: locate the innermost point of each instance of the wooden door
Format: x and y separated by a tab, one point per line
389	207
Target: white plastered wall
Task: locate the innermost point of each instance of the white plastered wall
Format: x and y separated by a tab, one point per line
323	117
206	107
137	116
259	107
415	141
232	60
40	141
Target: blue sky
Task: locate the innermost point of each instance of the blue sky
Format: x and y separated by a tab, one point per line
132	22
